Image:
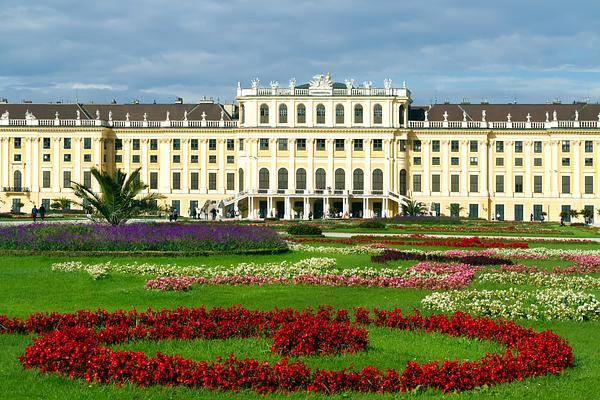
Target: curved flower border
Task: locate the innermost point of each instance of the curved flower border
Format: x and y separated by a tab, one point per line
75	345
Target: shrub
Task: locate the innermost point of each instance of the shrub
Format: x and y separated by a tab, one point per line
304	230
372	224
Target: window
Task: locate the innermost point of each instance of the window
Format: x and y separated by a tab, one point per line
135	159
230	178
454	161
320	114
499	162
176	159
358	180
67	158
240	144
230	159
339	114
263	179
473	183
118	144
339	179
283	114
212	159
377	114
176	180
339	144
518	212
194	159
589	184
435	183
212	144
67	143
301	179
264	114
176	144
377	181
518	146
118	158
566	209
537	146
416	145
454	146
153	144
230	144
194	144
518	183
537	162
454	183
153	180
135	144
473	210
518	161
416	160
566	146
473	160
46	143
589	162
17	179
301	144
282	144
402	182
46	179
473	146
435	146
87	179
87	158
435	161
402	145
66	179
499	146
46	157
17	158
566	184
320	179
358	114
153	159
416	183
301	114
320	144
377	144
537	183
264	144
240	180
358	144
565	161
212	181
499	183
589	146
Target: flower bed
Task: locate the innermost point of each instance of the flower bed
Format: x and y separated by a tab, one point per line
75	345
547	304
419	240
471	259
140	237
541	279
370	249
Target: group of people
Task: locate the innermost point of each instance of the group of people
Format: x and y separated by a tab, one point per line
35	211
196	213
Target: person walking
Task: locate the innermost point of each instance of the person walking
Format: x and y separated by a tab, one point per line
42	212
34	212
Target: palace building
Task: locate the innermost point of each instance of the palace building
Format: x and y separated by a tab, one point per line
318	149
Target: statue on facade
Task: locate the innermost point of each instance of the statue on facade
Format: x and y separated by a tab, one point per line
554	116
254	82
5	115
349	83
321	82
483	115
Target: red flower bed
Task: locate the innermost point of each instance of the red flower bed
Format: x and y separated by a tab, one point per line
76	345
418	240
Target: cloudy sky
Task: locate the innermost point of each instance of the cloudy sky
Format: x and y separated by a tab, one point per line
500	51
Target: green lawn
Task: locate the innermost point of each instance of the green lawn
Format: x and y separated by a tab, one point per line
28	285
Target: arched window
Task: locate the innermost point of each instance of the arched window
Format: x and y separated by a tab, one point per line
377	183
340	179
320	114
301	179
240	180
264	114
401	115
377	114
339	114
263	180
358	181
17	181
402	182
282	179
358	114
320	179
283	114
242	115
301	114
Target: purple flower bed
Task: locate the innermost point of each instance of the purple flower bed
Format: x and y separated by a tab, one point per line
140	237
394	255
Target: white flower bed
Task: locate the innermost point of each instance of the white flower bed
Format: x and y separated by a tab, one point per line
335	250
542	280
547	304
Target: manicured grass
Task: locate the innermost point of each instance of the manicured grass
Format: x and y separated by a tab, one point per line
28	285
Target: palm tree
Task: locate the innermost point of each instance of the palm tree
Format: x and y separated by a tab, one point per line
119	199
412	208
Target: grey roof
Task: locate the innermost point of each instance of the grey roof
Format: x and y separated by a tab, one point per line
43	110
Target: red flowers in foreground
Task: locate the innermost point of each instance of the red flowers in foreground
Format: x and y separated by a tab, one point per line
75	345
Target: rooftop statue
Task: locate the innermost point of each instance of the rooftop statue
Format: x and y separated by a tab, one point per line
321	82
4	115
349	83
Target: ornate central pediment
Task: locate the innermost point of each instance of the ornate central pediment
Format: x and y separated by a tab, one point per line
321	82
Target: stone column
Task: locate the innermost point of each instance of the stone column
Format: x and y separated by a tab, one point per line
528	163
509	168
292	166
77	161
185	174
483	167
368	172
221	156
348	177
310	173
56	165
386	166
554	168
97	144
145	161
329	182
164	180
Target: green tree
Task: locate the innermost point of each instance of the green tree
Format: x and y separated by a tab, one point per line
120	197
587	214
412	208
61	203
574	213
455	210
